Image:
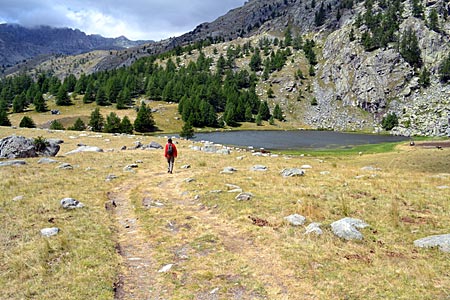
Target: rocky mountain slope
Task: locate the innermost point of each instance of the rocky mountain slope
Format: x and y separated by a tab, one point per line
354	86
18	44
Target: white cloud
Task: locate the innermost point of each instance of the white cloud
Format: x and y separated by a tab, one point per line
135	19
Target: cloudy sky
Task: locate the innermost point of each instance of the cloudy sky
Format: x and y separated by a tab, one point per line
135	19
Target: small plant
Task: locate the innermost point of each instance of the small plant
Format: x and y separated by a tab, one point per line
389	121
40	143
314	101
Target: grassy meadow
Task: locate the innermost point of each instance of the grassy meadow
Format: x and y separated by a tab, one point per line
214	249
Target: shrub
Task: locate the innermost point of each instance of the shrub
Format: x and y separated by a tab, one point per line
389	121
56	125
27	122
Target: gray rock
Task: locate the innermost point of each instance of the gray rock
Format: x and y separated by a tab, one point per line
46	160
223	151
18	198
228	170
70	203
22	147
306	167
110	177
259	168
296	219
85	149
65	166
48	232
153	145
185	166
12	163
441	241
189	180
370	168
346	228
314	228
244	196
292	172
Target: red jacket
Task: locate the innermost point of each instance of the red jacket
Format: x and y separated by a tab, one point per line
174	154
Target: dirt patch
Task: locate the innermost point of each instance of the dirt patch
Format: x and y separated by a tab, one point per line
439	145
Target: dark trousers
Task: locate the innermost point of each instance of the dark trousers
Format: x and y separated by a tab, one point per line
170	161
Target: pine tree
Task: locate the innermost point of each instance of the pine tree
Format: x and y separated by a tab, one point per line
4	120
444	70
112	124
277	113
126	126
78	125
258	120
27	122
424	77
62	98
56	125
89	96
144	120
433	20
39	103
187	131
19	103
96	121
409	48
264	111
100	98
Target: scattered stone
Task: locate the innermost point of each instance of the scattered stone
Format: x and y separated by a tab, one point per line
296	219
185	167
224	151
46	160
292	172
216	191
165	269
55	112
228	170
240	157
12	163
70	203
314	228
18	198
130	168
235	191
123	148
306	167
441	241
324	173
259	168
443	187
110	177
188	180
85	149
370	168
232	186
152	146
65	166
245	196
48	232
139	161
346	228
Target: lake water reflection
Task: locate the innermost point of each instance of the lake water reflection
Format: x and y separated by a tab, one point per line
299	139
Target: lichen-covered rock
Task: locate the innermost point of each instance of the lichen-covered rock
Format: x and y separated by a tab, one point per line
292	172
295	219
22	147
346	228
70	203
440	241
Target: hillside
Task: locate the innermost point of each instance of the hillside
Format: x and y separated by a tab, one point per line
19	44
363	71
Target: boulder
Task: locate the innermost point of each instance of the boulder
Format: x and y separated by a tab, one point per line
295	219
22	147
346	228
70	203
244	196
48	232
85	149
440	241
12	163
313	228
260	168
292	172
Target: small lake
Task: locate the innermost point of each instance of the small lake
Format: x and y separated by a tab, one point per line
292	140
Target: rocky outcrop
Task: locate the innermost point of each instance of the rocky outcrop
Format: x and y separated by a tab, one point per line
22	147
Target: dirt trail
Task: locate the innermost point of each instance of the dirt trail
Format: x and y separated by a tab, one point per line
139	271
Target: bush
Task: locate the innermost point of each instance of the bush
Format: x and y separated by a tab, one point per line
40	143
56	125
389	121
27	122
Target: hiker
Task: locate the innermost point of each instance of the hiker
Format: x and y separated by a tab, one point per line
170	152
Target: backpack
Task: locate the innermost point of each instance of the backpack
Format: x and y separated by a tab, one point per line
170	149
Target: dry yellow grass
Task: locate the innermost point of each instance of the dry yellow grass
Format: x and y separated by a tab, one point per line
216	250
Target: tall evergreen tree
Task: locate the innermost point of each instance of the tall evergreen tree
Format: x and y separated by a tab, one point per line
112	124
19	103
409	48
62	98
78	125
39	103
126	126
100	97
264	111
4	120
277	113
144	120
96	121
444	70
433	20
187	131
